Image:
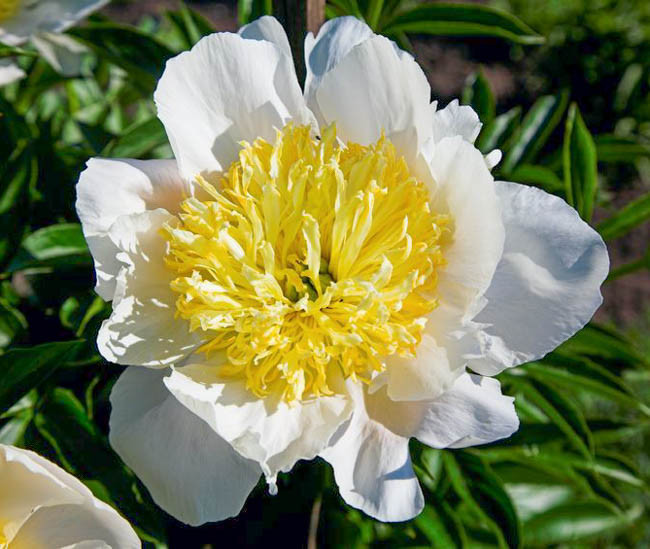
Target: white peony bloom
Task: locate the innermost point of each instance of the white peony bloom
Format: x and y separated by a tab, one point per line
42	21
43	507
317	274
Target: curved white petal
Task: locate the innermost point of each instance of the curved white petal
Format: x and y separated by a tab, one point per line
34	493
10	72
376	88
190	471
225	90
110	188
142	329
547	285
267	28
69	525
271	432
372	467
464	187
456	120
52	15
333	42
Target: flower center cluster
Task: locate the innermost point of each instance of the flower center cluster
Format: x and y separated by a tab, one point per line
310	262
8	8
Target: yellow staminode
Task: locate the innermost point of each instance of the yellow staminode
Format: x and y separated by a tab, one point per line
8	8
310	260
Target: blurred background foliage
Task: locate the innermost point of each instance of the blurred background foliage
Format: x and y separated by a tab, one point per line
567	102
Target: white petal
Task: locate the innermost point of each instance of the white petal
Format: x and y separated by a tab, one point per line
190	471
274	434
493	158
53	15
225	90
372	468
62	52
33	494
109	188
547	285
456	120
333	42
70	525
376	88
267	28
10	72
142	329
466	190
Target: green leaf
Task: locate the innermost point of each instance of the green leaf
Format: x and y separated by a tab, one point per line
138	140
478	94
57	246
558	409
462	20
483	492
580	164
535	129
624	220
540	176
611	148
24	369
439	527
12	323
137	52
496	133
597	341
191	25
571	522
249	10
63	422
11	51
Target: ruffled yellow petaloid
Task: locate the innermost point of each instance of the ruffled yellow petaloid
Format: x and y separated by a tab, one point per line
309	260
8	8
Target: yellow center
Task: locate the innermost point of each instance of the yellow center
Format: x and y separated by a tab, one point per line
8	8
309	260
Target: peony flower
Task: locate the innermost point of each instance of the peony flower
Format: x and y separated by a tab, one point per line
43	507
321	274
42	21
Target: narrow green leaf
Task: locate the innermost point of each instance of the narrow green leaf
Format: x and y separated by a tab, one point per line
12	323
137	52
24	369
138	140
436	528
373	13
535	129
624	220
57	246
478	94
597	341
496	133
571	522
580	164
540	176
482	491
611	148
462	20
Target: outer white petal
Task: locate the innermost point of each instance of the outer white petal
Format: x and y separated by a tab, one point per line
110	188
376	88
10	72
272	433
463	187
267	28
456	120
190	471
372	467
333	42
547	285
61	51
142	329
74	525
225	90
51	15
33	489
